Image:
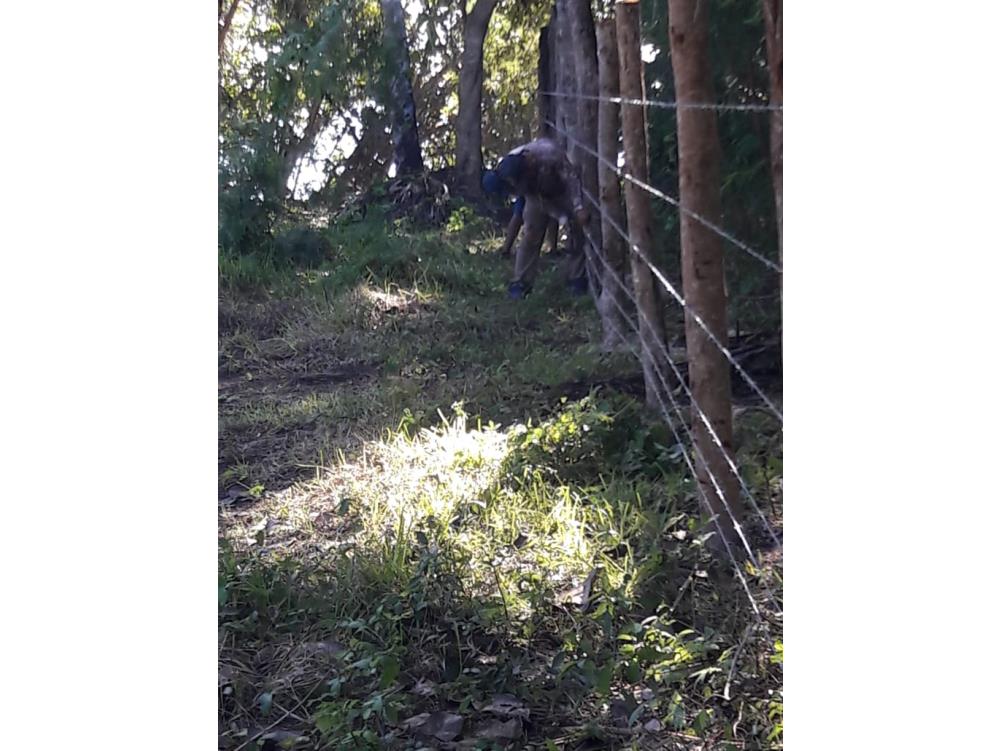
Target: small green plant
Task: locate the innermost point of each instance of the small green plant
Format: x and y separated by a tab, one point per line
302	247
459	218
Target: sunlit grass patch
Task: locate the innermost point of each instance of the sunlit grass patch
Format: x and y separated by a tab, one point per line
446	496
563	562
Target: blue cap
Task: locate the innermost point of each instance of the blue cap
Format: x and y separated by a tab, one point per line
510	166
492	182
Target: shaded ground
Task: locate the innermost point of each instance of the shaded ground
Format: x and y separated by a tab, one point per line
301	380
447	522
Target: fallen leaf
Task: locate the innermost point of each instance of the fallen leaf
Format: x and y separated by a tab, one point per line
620	711
390	669
444	726
580	596
500	730
653	726
264	702
328	648
282	739
423	687
506	705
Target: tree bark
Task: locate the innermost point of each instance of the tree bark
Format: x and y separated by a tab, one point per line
613	297
546	109
772	30
406	141
226	23
702	258
584	46
469	124
557	104
651	328
566	76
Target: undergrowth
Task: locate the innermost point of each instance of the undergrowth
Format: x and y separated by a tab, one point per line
447	521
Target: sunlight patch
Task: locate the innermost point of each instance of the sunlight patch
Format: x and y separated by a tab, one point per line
431	473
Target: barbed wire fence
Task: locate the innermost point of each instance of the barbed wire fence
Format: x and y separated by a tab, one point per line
669	386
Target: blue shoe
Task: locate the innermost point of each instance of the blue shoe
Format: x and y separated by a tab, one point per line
518	290
577	287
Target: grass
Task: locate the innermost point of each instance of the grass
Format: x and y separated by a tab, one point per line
446	521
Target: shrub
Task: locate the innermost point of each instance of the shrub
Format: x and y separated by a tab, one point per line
301	246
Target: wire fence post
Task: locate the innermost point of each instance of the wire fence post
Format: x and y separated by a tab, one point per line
613	294
651	328
703	273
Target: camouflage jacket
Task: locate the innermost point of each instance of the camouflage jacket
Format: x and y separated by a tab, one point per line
548	175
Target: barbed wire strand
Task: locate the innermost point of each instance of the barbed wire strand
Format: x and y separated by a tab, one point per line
680	416
697	407
670	105
674	202
694	403
683	303
713	515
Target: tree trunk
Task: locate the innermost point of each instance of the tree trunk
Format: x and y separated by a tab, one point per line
546	109
651	329
702	258
772	26
566	75
405	139
226	22
613	298
557	104
469	124
584	46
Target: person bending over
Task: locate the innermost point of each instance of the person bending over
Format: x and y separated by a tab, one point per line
541	173
514	228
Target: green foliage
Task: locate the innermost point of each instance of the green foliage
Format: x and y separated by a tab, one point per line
459	219
588	437
249	203
303	247
510	65
739	59
247	273
286	63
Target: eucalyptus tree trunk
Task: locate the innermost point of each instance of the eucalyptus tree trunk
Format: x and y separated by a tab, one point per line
557	105
613	293
772	26
469	124
584	52
566	78
403	111
640	223
702	260
545	102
